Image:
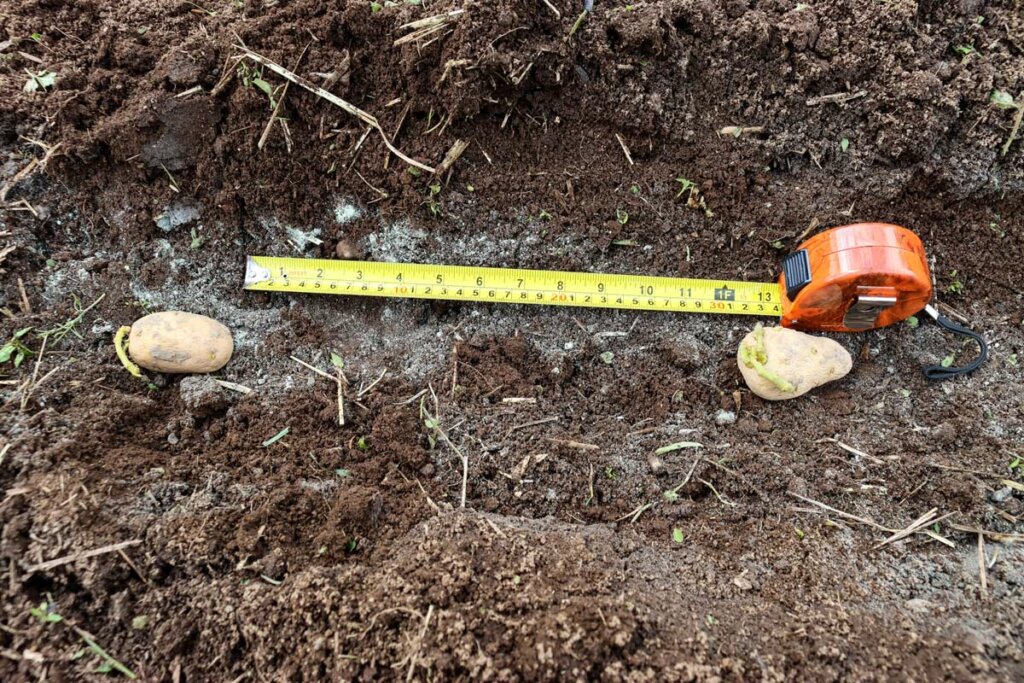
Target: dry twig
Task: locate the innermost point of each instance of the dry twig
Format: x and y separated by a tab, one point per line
837	98
997	536
625	149
426	27
68	559
336	101
982	573
457	148
277	109
29	168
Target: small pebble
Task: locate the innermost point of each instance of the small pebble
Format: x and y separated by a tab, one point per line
743	583
348	250
1001	496
172	439
748	425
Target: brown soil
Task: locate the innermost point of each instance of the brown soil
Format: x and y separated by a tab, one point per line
341	552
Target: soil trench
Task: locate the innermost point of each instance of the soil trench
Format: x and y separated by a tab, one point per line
177	529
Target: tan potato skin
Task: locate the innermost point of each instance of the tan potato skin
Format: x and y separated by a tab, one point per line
179	342
803	359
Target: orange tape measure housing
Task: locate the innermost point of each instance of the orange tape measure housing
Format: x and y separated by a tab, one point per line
861	277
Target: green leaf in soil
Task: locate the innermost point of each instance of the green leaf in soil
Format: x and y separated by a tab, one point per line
263	85
44	80
277	437
1002	100
677	535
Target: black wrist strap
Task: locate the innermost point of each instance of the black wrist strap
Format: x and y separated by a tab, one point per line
939	372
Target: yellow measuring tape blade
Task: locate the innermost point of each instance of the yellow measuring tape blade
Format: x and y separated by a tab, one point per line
509	285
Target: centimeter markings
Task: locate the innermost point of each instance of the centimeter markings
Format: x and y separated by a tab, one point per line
501	285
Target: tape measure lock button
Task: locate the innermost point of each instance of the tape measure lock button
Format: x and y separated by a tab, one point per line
796	272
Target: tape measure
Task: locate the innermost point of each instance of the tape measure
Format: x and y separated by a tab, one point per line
849	278
500	285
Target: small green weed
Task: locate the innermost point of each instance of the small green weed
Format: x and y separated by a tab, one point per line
56	334
253	78
43	80
965	52
956	286
15	350
47	613
1004	100
431	202
694	199
1001	99
277	437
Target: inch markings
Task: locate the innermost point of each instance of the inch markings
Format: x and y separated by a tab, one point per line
500	285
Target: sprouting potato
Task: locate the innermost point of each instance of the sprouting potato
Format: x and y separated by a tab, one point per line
778	363
179	342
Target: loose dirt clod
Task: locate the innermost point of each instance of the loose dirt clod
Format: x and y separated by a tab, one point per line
202	395
778	363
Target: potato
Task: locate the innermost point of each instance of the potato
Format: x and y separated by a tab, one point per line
778	363
178	342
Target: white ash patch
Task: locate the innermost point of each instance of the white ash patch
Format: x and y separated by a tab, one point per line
345	211
397	242
177	213
284	236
